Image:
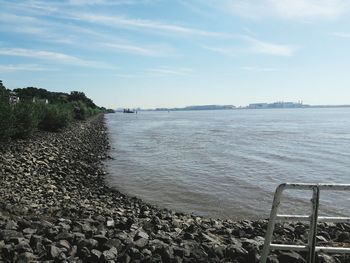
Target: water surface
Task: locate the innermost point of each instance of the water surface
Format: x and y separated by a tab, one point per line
228	163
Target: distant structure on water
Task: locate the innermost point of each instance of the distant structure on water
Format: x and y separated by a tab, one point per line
199	107
277	105
128	111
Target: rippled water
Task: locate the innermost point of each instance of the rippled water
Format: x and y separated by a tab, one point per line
228	163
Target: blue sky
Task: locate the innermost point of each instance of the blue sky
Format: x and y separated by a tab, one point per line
168	53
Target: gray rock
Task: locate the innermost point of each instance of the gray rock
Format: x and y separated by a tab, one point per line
89	243
110	254
64	244
26	257
141	242
323	258
95	255
55	252
8	234
141	234
101	239
291	257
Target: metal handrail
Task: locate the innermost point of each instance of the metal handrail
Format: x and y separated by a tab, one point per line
311	247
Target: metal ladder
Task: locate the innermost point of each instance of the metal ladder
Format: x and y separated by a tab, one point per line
311	247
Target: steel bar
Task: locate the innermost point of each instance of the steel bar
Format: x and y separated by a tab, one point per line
289	247
313	219
337	250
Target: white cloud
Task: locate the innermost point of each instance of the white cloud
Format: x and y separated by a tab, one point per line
109	2
262	47
165	71
287	9
255	46
154	26
340	34
258	69
230	51
52	56
24	67
139	50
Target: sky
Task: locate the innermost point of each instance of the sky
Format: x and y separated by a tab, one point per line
174	53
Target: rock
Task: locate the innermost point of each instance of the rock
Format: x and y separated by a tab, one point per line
23	247
141	234
64	244
146	252
291	257
55	252
29	231
110	222
26	257
88	243
323	258
343	237
95	255
233	251
112	243
11	225
272	259
8	234
64	236
141	242
110	254
101	239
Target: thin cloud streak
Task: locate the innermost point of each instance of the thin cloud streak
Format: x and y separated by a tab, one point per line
156	51
300	10
109	2
165	71
52	56
125	22
24	67
258	69
262	47
255	46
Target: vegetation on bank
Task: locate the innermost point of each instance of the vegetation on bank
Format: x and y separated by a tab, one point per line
23	111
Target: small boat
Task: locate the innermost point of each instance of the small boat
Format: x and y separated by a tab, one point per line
128	111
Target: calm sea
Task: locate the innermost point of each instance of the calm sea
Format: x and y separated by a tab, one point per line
227	164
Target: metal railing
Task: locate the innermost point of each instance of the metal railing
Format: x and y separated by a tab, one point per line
311	247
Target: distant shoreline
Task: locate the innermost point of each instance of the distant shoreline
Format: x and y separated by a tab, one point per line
246	108
231	107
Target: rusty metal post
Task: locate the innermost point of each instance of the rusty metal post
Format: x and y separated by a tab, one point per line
313	225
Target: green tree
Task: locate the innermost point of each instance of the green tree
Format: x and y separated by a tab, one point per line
3	92
26	119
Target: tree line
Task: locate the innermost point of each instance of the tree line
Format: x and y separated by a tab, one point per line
40	109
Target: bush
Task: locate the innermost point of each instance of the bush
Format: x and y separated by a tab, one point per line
6	121
81	112
26	119
56	117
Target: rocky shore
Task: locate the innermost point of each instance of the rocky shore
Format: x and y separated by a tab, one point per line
55	207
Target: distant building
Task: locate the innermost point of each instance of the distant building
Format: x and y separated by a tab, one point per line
258	106
13	97
276	105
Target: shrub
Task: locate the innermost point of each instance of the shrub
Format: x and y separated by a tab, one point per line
56	117
81	112
26	119
6	121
